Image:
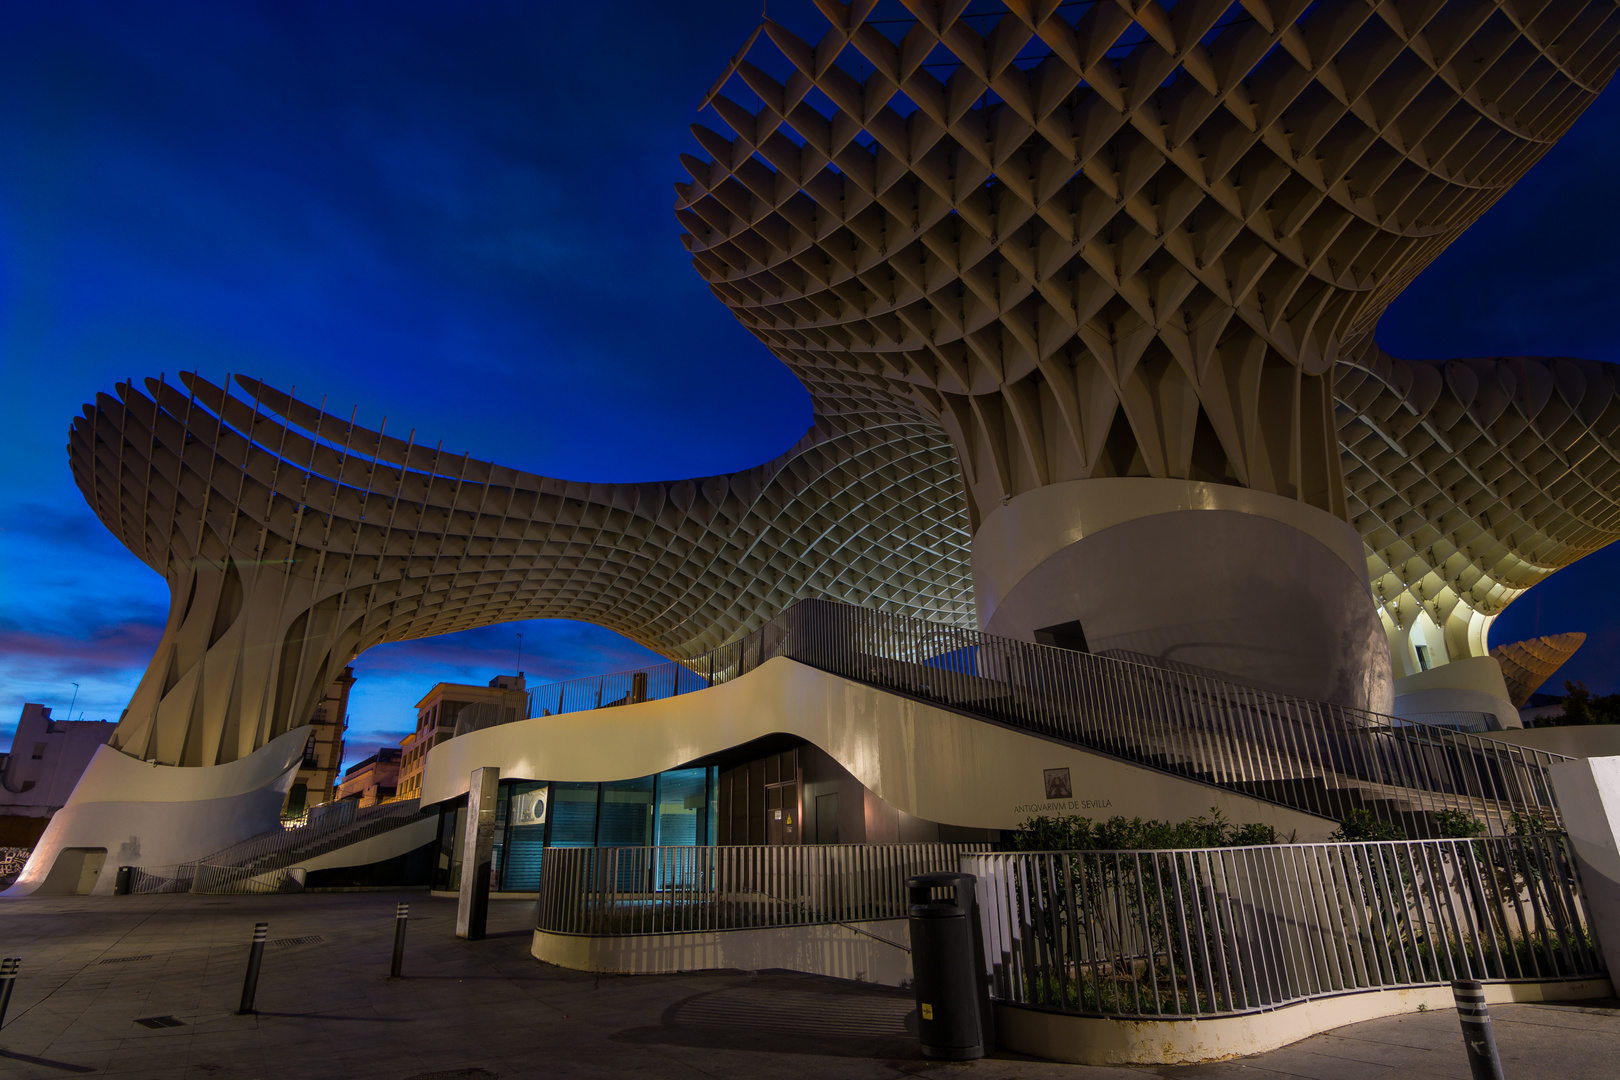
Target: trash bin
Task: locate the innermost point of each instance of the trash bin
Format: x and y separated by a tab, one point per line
121	882
953	1011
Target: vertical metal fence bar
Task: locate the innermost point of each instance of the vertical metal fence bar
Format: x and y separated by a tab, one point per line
1360	939
1515	864
1071	958
1409	937
1575	926
1323	882
1392	883
1220	891
1054	978
1488	910
1562	909
1543	899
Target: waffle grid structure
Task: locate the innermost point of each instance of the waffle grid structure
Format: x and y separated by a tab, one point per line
293	540
1526	665
1471	480
1004	247
1153	239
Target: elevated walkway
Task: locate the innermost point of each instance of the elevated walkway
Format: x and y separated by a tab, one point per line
1315	757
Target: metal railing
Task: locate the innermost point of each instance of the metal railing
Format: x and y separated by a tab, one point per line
1319	757
669	890
1229	930
619	688
203	878
1473	722
240	880
261	863
1315	756
175	878
343	824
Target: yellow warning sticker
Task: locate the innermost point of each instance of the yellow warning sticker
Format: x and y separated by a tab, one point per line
927	1011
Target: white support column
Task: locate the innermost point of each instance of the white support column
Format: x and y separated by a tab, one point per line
1588	791
477	853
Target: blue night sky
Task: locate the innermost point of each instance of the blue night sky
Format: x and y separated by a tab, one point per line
458	217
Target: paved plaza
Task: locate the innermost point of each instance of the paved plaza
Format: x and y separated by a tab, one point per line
147	986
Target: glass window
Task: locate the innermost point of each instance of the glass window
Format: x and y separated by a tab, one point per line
573	815
627	813
525	835
713	836
683	804
497	858
447	866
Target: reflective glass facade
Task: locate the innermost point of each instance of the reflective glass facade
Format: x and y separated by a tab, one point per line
675	808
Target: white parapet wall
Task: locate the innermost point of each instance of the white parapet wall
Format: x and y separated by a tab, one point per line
1470	684
126	812
1582	741
1094	1040
379	848
927	761
874	951
877	951
1588	791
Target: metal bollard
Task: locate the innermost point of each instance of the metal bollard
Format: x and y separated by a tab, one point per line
1478	1037
250	985
402	915
8	975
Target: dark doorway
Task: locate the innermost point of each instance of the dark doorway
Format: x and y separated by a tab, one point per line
827	818
761	800
1069	635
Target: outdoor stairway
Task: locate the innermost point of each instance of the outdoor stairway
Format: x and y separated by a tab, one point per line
1317	757
1275	773
281	848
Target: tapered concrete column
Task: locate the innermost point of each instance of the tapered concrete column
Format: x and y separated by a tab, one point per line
477	854
1588	791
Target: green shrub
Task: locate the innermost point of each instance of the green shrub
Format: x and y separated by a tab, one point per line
1361	825
1119	833
1459	825
1529	824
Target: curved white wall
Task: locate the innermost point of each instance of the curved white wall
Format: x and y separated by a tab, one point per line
160	815
1265	589
1471	684
923	760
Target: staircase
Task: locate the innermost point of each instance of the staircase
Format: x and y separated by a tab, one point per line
260	863
1318	757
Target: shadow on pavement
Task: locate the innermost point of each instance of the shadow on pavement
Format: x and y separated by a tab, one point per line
782	1015
47	1062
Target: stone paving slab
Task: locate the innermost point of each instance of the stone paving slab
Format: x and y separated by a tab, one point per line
489	1011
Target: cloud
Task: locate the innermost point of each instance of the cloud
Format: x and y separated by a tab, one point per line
109	647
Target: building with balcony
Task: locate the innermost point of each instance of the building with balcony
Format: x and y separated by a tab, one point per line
504	698
372	781
316	780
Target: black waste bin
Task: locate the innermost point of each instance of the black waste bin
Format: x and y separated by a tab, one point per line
953	1009
121	883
